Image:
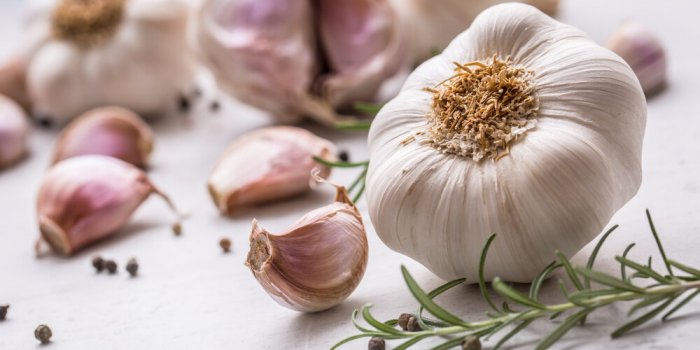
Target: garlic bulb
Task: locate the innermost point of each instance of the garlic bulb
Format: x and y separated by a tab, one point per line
643	51
132	54
13	80
14	130
267	165
522	127
109	131
431	24
88	198
317	263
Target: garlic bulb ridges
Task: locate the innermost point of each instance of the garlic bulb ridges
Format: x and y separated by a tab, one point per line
14	131
317	263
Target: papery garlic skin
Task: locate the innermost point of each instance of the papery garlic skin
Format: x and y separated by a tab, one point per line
643	51
557	188
84	199
108	131
266	165
317	263
143	65
14	131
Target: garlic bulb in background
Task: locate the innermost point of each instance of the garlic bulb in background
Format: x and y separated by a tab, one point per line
14	130
643	52
85	199
108	131
13	80
432	24
317	263
266	165
522	127
130	53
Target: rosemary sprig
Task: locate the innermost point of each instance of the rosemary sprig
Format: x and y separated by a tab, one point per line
358	185
678	282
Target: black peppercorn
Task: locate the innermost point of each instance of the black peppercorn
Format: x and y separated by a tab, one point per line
3	311
98	263
183	104
412	325
376	343
111	266
403	321
43	334
132	266
471	343
225	244
344	156
177	229
215	106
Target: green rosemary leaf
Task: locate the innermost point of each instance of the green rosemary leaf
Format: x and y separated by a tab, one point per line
559	332
594	253
646	302
360	178
680	305
368	108
375	323
555	315
608	280
357	324
503	289
393	322
359	193
427	302
642	319
685	268
569	270
658	243
642	269
505	324
353	125
563	289
482	280
623	274
537	283
432	294
513	332
339	164
581	297
449	344
506	308
405	345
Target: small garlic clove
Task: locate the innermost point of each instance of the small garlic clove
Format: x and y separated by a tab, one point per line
318	263
84	199
14	130
266	165
643	51
108	131
13	80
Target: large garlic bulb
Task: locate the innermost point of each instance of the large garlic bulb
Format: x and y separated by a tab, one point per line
129	53
522	127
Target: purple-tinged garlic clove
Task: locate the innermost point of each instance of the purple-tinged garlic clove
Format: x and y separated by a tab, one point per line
267	165
88	198
14	131
643	51
317	263
108	131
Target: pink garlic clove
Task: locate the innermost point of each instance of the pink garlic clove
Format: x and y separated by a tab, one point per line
643	51
14	131
88	198
13	80
266	165
108	131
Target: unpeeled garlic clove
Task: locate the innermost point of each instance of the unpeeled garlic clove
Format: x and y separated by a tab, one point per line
642	50
108	131
13	73
266	165
318	263
14	130
84	199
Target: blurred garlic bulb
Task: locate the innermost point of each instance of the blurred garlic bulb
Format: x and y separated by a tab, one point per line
14	130
13	80
643	52
85	199
130	53
108	131
522	127
317	263
432	24
266	165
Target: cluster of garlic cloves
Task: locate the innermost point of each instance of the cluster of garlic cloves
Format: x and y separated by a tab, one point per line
14	130
266	165
317	263
643	51
108	131
85	199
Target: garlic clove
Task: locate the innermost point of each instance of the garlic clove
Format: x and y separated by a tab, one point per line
85	199
14	131
13	80
643	51
317	263
266	165
364	47
108	131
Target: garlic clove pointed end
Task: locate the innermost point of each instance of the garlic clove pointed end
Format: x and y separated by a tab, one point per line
55	236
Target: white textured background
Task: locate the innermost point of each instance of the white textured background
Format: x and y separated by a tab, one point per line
190	296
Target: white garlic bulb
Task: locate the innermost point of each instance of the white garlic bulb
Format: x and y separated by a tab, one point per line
643	51
14	131
522	127
129	53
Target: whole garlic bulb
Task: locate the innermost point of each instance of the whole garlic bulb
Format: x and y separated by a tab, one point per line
643	51
108	131
522	127
14	130
266	165
129	53
317	263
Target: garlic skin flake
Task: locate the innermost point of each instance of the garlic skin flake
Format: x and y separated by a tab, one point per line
14	131
551	184
317	263
643	51
138	58
266	165
108	131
